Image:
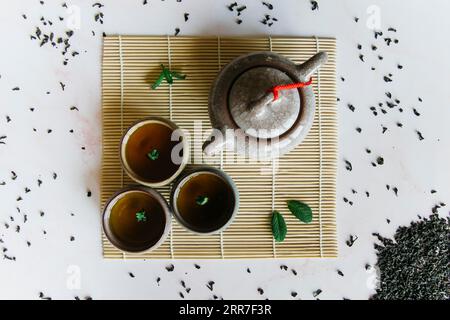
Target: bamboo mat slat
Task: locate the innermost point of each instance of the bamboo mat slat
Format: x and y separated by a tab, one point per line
308	173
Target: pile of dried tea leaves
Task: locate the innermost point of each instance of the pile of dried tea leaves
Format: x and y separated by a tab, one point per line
415	264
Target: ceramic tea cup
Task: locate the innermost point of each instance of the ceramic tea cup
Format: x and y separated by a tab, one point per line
154	151
205	200
136	219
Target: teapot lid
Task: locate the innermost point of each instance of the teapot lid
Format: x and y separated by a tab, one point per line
253	108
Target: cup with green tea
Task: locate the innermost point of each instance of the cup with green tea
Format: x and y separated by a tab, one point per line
136	219
154	151
205	200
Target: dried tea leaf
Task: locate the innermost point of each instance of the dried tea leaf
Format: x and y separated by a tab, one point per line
414	263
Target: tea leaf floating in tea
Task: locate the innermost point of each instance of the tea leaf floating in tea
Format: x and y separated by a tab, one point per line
168	75
202	200
141	216
153	155
279	229
301	210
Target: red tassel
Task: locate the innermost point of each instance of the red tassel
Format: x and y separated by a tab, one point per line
288	87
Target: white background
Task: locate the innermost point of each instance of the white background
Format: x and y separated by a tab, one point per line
414	167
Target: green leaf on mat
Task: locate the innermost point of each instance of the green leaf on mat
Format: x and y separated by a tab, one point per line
301	210
279	229
167	74
178	75
158	81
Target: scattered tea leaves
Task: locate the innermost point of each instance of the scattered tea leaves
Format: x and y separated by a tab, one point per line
240	9
231	6
395	189
170	267
380	160
43	297
420	136
268	5
348	165
420	252
317	292
210	285
351	240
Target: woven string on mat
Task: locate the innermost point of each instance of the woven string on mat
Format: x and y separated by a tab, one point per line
274	248
222	255
124	256
320	151
169	57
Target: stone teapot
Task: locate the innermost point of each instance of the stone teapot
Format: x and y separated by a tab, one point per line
253	121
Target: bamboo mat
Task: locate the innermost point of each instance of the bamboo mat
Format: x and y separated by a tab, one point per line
308	173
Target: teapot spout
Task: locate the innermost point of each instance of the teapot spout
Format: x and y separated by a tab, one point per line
306	69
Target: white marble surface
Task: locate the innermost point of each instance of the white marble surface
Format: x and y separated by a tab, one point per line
414	167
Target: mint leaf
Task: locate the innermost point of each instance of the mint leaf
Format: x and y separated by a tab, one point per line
301	210
158	81
141	216
167	74
279	229
202	200
153	155
178	75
